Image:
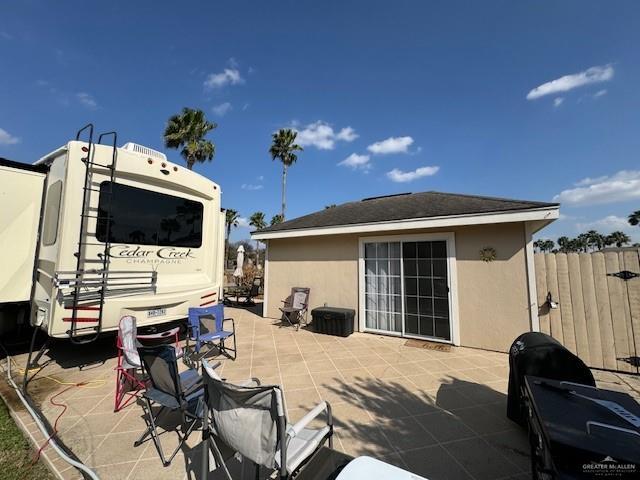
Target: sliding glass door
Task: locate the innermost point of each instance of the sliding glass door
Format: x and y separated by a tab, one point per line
383	295
426	289
406	288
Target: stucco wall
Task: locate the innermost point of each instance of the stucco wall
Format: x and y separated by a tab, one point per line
492	296
328	265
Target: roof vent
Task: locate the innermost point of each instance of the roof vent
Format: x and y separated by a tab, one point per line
142	150
385	196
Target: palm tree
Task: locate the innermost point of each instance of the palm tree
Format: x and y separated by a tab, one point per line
284	148
276	219
580	243
231	220
549	245
544	245
257	220
618	238
595	240
634	218
187	130
564	243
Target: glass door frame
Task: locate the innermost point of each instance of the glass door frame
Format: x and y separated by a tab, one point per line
452	283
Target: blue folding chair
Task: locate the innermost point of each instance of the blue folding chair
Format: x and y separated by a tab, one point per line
206	328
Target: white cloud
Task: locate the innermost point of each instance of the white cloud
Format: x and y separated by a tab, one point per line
589	181
347	134
620	187
558	101
600	93
222	109
7	139
243	222
608	224
86	100
322	136
391	145
356	162
251	186
6	35
596	74
260	178
230	76
397	175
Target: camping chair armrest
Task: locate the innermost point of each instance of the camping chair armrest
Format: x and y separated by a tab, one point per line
233	323
249	382
199	385
323	406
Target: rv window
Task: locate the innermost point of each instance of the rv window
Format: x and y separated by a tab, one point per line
51	214
144	217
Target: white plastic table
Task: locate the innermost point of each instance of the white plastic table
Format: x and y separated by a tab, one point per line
367	468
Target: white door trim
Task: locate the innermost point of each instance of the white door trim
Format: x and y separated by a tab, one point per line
265	280
449	237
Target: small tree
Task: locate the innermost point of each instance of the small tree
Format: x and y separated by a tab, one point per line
634	218
595	240
564	243
231	220
618	239
544	245
257	220
276	219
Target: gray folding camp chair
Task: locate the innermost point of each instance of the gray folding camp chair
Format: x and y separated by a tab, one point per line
252	421
181	393
296	306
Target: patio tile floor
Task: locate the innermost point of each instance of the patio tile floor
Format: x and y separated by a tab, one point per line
438	414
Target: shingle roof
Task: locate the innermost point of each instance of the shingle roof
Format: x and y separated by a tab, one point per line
405	206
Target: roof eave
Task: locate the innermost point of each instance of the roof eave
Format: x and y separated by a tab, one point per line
547	213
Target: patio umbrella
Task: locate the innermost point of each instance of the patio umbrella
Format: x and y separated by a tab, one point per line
238	273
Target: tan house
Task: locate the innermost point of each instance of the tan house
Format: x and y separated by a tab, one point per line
437	266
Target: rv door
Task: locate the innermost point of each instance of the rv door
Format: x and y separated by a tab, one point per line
21	188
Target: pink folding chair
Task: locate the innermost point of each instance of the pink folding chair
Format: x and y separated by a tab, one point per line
129	379
129	376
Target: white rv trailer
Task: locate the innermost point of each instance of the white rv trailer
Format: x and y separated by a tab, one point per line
92	232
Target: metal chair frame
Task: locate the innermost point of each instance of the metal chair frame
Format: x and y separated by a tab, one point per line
188	401
213	339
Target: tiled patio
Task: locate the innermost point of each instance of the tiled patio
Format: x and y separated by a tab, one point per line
438	414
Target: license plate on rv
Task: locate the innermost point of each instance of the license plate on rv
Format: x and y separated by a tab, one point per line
156	312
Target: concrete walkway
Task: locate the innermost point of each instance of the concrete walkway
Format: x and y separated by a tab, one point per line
438	414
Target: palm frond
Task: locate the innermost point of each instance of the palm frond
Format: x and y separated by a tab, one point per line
187	130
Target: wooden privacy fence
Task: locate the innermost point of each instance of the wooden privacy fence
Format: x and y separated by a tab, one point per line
598	305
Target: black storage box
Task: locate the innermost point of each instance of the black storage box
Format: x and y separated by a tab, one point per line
538	354
333	321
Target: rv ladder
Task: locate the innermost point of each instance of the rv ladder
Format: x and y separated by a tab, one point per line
79	284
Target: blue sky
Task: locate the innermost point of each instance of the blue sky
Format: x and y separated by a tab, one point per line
388	96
